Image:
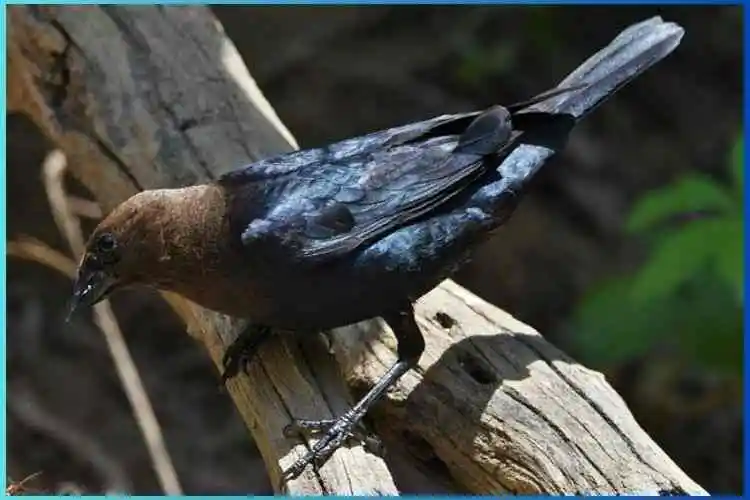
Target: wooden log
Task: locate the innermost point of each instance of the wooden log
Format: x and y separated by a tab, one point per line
148	97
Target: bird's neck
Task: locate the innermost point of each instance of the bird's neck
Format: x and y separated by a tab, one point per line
189	236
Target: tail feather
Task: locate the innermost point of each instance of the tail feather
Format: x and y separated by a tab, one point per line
516	106
632	52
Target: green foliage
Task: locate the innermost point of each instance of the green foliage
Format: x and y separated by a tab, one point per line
693	193
478	63
689	292
738	167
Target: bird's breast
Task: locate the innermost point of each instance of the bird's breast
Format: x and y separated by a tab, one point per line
297	296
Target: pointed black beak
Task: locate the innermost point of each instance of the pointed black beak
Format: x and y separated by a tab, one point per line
90	288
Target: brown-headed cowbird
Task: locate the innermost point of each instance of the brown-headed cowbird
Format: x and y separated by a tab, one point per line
325	237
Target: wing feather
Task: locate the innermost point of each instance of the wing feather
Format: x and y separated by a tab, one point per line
325	202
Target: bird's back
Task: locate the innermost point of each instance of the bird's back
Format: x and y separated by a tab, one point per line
333	235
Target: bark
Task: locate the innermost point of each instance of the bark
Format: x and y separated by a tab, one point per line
147	97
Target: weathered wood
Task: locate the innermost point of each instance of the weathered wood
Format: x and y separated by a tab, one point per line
145	97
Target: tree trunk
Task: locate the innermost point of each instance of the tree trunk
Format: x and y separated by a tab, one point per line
148	97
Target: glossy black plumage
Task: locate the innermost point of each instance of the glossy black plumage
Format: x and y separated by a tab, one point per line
396	211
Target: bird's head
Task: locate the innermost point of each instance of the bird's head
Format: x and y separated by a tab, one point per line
157	237
117	251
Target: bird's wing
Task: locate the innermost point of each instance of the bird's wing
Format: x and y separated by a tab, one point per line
301	161
327	202
400	184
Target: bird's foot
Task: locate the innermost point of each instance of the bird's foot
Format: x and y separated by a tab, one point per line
336	433
357	433
241	352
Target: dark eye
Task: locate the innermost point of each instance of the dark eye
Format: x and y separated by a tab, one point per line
106	243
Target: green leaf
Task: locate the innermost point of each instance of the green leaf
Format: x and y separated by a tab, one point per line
728	238
703	324
609	328
738	165
709	328
690	194
678	256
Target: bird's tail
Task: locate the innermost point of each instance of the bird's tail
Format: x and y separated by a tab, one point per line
632	52
547	122
517	106
547	118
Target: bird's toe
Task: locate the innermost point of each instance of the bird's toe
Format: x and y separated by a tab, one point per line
336	433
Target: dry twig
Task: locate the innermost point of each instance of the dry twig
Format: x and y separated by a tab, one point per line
65	215
19	487
29	248
84	208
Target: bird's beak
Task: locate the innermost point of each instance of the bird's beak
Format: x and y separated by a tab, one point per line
90	287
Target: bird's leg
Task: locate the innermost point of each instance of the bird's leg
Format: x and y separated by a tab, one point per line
241	351
358	434
338	431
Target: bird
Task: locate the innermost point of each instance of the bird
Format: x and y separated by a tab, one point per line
323	237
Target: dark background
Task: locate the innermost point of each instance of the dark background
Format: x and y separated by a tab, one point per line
335	72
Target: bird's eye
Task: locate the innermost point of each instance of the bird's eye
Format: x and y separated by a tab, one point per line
106	243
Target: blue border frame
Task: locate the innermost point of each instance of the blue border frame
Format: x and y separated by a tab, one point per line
746	35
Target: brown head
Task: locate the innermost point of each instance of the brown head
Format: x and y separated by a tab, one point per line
146	239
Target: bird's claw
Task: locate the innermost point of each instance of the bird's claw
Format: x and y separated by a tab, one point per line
337	432
358	433
308	427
